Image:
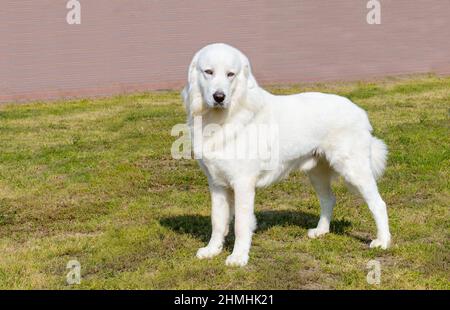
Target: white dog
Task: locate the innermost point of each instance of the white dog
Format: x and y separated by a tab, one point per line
321	134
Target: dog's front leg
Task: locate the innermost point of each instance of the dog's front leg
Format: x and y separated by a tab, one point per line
245	222
221	200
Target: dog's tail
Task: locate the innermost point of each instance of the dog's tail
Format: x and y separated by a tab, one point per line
378	155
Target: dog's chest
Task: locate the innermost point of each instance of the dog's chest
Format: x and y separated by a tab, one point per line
224	172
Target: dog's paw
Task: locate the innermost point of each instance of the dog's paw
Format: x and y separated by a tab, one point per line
381	243
208	252
315	232
238	260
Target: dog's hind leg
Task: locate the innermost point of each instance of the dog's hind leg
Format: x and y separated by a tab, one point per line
320	177
358	173
222	202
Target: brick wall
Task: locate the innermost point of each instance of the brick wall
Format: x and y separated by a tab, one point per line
136	45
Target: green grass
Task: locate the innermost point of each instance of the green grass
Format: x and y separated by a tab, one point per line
93	180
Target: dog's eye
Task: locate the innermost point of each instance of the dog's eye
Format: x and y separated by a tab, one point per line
209	72
230	74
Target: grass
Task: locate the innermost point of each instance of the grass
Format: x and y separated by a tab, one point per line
93	180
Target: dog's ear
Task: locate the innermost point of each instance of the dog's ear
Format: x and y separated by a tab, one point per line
191	92
192	72
247	69
192	79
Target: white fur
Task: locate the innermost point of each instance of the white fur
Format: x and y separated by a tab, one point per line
321	134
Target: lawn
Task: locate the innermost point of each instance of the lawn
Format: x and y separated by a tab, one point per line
93	180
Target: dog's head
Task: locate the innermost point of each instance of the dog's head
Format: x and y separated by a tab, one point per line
219	75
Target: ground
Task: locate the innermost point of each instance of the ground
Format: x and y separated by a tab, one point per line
93	180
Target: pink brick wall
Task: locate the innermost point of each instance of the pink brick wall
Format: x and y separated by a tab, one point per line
147	44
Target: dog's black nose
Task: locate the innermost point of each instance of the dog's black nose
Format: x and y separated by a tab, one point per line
219	96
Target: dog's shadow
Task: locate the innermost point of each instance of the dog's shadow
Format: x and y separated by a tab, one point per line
199	226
